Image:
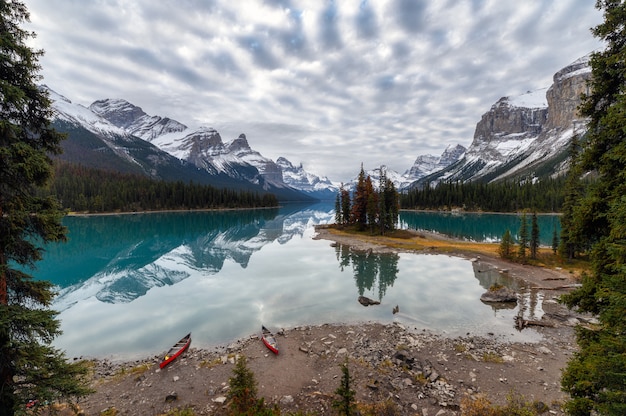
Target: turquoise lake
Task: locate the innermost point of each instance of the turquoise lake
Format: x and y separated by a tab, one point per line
130	285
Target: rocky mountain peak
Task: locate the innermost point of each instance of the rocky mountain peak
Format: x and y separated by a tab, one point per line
134	120
426	164
118	112
523	134
239	144
451	154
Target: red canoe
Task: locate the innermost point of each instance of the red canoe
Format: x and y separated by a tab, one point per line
269	340
176	350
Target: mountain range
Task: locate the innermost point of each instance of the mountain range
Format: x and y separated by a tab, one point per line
519	136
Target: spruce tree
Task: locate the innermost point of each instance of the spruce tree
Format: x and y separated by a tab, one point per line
505	250
523	238
534	236
243	388
595	377
345	205
359	203
345	405
372	204
338	207
30	368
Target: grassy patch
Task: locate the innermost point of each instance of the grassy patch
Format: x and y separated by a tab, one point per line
185	411
210	364
492	357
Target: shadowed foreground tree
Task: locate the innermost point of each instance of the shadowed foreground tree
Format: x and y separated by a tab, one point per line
596	376
30	368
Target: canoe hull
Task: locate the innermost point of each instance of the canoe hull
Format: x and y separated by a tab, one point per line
174	352
269	340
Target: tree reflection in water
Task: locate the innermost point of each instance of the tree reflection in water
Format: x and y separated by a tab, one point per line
370	269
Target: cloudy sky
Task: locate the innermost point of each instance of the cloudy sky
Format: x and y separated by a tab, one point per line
331	84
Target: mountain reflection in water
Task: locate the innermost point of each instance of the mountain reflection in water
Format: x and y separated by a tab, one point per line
130	285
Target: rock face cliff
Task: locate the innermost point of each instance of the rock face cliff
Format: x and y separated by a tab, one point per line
526	135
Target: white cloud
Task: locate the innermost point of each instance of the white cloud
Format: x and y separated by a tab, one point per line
330	84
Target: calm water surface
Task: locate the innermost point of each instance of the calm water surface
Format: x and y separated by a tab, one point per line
131	285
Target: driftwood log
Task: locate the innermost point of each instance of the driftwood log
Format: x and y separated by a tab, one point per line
521	323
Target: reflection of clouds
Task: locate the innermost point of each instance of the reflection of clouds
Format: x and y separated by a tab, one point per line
286	283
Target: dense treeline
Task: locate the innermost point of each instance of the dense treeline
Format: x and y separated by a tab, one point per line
545	195
79	188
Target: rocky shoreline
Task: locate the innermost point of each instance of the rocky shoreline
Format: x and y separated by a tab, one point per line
414	371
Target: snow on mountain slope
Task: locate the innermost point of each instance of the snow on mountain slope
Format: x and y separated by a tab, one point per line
202	146
65	110
307	182
134	120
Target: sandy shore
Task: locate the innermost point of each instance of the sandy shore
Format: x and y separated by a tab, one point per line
414	371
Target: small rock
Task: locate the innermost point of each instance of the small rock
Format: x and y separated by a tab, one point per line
286	400
172	397
175	378
219	400
544	350
342	351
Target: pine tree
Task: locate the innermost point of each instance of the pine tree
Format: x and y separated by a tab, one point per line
29	366
345	405
338	220
243	388
523	238
505	250
372	204
595	377
359	203
345	205
571	231
534	236
555	240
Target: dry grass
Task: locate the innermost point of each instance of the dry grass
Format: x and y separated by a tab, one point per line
408	240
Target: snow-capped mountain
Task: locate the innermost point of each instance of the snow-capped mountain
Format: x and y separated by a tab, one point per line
133	120
202	146
116	135
316	186
525	135
424	165
428	164
93	141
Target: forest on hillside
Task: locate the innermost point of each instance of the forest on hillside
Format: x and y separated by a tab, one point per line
83	189
546	195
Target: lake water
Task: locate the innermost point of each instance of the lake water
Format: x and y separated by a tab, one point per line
131	285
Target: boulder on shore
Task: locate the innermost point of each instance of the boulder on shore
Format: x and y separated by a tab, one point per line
501	294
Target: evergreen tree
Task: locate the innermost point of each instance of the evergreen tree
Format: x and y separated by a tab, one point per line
29	366
523	238
571	232
243	389
338	207
505	250
389	203
345	205
359	203
595	377
534	236
555	240
372	204
345	405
